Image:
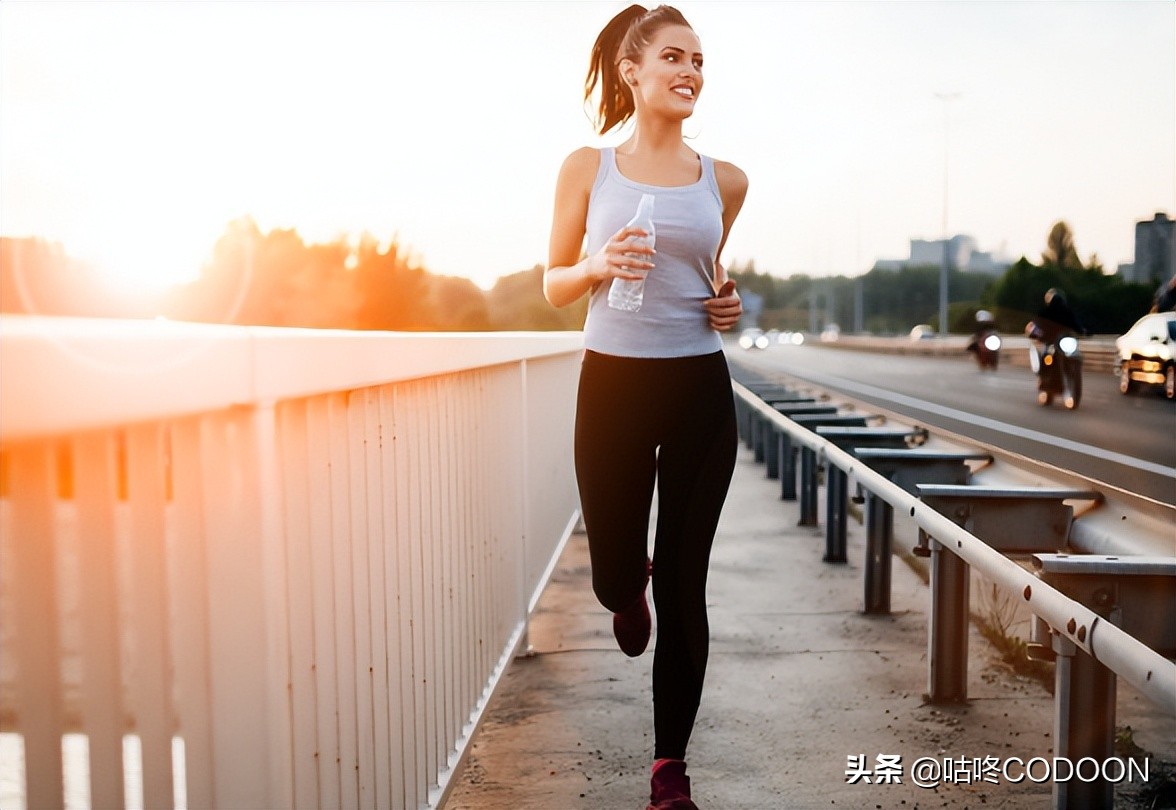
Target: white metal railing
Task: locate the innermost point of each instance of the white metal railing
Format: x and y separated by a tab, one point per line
296	560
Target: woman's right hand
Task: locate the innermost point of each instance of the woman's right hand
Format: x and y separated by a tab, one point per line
615	259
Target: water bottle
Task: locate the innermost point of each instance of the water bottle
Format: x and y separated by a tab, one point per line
627	295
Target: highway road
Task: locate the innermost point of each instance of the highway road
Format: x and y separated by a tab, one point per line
1126	441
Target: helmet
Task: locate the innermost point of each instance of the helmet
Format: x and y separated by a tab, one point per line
984	316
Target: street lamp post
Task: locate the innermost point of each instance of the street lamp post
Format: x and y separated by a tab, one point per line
946	98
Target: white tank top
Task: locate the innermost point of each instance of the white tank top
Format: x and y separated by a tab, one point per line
688	226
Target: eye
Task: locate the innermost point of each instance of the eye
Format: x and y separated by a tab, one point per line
671	57
698	64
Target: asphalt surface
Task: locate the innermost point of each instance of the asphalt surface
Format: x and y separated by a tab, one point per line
799	681
1126	441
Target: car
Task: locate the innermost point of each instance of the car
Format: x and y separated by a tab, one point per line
831	333
1145	354
922	332
754	338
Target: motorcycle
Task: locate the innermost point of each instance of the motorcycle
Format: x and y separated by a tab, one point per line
986	346
1058	366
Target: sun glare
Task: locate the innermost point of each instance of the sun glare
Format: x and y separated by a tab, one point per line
141	265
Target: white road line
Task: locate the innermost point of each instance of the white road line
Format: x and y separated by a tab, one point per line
983	421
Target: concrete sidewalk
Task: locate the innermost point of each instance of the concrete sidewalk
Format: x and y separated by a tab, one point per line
799	680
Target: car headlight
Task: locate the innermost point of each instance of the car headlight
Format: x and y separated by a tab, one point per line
762	342
1068	344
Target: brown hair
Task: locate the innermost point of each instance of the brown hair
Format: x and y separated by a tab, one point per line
623	38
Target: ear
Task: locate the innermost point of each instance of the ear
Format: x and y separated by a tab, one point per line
628	71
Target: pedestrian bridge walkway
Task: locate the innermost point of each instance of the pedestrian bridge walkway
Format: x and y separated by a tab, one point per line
274	568
800	680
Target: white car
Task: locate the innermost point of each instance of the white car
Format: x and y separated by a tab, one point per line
1145	354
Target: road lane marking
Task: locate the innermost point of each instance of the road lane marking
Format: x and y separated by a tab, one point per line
992	424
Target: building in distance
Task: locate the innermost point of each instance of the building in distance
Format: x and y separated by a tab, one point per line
1155	258
962	254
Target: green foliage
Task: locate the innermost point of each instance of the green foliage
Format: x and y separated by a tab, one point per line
277	279
1106	305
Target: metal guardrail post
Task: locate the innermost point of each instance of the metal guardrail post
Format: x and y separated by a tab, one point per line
787	454
907	469
787	459
771	450
837	483
836	513
1084	725
742	418
947	648
808	487
879	542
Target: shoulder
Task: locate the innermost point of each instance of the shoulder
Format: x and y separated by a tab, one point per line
580	166
731	179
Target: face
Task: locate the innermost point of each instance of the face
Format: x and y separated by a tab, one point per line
669	77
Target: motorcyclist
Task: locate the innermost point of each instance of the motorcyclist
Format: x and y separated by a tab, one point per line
984	325
986	356
1054	319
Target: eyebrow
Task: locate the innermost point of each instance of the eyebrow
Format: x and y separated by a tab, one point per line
677	50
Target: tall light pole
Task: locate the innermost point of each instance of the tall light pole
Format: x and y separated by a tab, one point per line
947	99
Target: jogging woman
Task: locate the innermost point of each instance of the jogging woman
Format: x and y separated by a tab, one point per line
655	405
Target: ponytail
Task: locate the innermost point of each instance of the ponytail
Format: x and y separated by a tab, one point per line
623	38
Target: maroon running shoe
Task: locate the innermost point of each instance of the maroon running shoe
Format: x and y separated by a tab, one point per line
669	786
633	625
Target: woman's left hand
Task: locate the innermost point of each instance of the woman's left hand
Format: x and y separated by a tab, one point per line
725	309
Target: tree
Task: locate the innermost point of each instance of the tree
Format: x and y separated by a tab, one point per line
1059	248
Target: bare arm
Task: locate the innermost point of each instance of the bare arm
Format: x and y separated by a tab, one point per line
725	309
568	276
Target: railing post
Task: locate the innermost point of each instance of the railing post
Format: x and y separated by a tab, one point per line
786	456
948	637
836	510
1084	725
879	540
249	651
808	487
771	449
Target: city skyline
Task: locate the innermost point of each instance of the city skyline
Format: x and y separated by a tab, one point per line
443	125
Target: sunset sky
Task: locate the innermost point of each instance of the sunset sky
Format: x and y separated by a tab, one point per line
134	132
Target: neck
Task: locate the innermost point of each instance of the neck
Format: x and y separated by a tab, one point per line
655	136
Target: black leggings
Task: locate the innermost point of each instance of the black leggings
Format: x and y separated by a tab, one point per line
669	420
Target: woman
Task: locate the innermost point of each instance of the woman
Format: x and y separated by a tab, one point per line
655	401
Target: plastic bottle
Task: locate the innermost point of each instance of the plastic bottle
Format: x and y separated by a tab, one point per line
627	295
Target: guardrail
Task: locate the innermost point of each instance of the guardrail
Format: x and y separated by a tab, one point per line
963	526
289	565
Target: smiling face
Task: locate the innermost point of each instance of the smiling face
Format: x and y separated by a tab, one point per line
668	78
